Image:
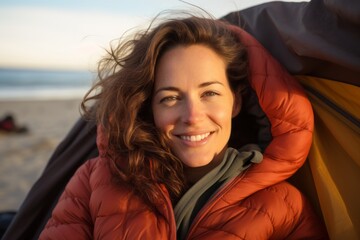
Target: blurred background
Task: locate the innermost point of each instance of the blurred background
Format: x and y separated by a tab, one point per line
48	57
71	34
50	49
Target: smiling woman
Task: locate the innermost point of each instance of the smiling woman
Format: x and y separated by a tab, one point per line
193	104
168	164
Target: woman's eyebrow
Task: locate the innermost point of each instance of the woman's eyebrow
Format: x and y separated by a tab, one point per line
167	89
205	84
175	89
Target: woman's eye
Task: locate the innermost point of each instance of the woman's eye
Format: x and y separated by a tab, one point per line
209	94
169	99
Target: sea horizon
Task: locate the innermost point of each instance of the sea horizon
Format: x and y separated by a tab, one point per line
43	84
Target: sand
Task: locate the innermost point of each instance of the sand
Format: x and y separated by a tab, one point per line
24	156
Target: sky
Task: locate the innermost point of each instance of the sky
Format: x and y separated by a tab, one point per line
72	35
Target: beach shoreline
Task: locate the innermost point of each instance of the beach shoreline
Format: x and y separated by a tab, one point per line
23	156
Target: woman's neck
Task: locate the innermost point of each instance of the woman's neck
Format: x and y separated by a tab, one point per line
194	174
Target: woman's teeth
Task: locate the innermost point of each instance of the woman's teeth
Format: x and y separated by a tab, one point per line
195	138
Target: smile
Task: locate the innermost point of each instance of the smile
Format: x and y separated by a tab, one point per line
195	138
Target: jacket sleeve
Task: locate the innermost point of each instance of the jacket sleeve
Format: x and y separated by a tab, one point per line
295	220
290	114
71	217
298	221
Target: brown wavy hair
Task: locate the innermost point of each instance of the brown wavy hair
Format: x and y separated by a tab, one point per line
138	152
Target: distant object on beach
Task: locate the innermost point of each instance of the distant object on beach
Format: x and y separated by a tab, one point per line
9	125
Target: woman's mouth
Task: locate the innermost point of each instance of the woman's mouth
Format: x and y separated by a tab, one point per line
194	138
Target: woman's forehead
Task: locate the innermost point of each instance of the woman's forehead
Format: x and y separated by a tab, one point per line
194	63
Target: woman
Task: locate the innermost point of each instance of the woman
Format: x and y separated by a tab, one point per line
168	166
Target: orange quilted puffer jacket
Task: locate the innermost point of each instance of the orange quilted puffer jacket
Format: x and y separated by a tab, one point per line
256	205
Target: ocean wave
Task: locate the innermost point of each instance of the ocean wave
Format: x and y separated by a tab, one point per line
42	94
20	84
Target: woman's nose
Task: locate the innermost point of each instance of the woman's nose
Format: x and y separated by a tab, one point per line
193	111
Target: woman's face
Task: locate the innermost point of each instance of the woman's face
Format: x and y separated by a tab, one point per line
193	104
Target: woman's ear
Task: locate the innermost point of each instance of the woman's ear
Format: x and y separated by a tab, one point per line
237	104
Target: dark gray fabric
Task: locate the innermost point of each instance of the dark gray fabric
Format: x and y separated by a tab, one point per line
318	38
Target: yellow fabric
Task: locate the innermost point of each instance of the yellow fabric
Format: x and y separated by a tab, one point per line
334	157
344	95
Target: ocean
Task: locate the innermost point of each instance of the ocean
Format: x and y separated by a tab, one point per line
31	84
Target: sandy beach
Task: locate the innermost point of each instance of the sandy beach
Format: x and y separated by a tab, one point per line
23	156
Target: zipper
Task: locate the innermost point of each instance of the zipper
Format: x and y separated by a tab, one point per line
170	213
212	201
333	106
